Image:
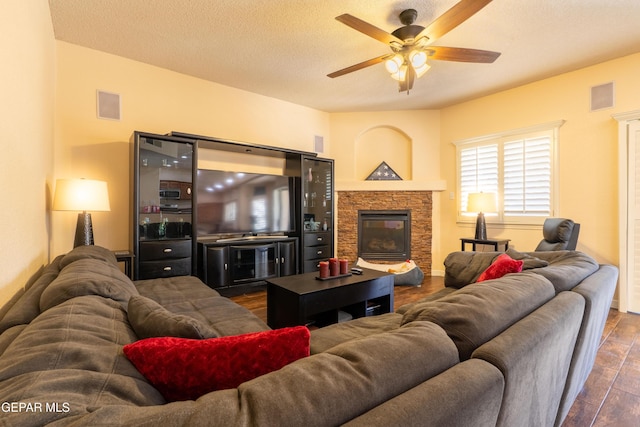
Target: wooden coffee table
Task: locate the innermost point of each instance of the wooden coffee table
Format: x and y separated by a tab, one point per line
304	300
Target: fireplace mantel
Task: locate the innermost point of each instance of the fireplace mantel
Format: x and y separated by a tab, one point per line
400	185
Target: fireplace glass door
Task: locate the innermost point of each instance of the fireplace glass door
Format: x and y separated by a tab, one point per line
384	235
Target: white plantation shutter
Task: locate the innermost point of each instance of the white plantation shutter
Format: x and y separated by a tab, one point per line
478	171
527	177
517	165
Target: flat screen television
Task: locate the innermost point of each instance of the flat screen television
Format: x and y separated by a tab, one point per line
232	203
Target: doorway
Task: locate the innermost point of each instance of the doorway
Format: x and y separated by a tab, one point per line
629	210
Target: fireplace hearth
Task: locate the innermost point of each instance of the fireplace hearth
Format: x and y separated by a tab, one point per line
384	234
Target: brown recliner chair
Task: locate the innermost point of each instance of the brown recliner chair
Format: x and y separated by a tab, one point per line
559	234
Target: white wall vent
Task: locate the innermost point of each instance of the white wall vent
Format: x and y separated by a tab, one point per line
602	96
109	107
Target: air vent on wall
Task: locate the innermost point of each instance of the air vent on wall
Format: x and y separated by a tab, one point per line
602	96
108	105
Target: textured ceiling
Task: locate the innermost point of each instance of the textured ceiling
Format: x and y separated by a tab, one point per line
285	48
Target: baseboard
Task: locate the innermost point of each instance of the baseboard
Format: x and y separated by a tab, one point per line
439	273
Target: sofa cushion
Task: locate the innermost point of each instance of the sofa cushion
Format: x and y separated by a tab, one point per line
467	394
149	319
88	252
462	268
183	369
478	312
529	261
566	269
326	389
188	295
502	265
88	276
73	353
27	307
534	356
323	339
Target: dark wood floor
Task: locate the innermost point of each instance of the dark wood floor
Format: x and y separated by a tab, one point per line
611	396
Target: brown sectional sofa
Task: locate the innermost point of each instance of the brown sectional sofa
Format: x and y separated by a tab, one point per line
511	351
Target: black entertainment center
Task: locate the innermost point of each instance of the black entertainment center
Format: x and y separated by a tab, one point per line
231	213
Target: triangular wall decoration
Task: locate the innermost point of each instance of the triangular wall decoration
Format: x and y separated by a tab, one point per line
384	173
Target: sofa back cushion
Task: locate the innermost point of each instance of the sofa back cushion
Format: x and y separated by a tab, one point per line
88	252
72	353
566	269
88	276
478	312
26	307
462	268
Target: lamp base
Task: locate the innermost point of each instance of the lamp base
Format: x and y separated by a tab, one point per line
481	227
84	230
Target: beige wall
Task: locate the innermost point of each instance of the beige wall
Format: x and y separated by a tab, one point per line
43	141
363	140
153	100
27	82
587	151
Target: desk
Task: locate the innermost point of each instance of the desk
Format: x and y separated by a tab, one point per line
126	257
490	242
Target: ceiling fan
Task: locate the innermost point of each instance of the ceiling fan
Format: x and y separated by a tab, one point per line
411	45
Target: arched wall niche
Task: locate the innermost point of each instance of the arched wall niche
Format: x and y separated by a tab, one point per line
383	144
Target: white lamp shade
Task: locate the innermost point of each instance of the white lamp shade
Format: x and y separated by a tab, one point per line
481	202
418	58
393	64
81	195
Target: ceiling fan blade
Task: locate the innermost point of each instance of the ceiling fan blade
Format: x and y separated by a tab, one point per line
461	54
453	17
368	29
361	65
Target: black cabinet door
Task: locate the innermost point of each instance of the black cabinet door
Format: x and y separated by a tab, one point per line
287	258
317	211
163	206
217	264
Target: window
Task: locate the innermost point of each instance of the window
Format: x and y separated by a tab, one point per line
518	166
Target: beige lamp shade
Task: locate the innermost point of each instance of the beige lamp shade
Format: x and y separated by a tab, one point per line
81	195
481	202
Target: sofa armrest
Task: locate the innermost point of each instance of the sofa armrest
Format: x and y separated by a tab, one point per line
534	356
597	290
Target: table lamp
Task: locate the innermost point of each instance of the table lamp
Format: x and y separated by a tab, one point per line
81	195
481	203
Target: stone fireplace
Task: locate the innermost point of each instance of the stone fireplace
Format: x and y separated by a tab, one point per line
417	203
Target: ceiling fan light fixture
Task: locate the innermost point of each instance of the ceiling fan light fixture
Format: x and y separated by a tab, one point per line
394	63
421	71
418	59
401	74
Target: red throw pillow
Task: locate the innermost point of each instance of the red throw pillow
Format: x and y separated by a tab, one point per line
185	369
502	265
